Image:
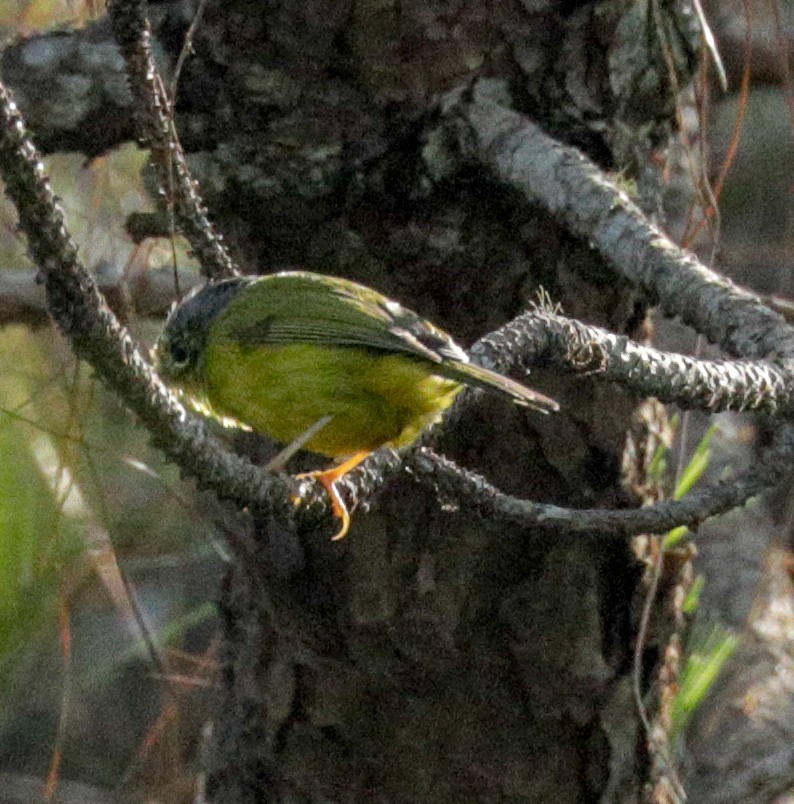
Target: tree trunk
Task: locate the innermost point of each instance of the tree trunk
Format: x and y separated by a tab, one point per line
432	656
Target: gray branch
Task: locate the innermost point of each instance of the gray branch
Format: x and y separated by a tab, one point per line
472	492
97	336
156	122
572	188
708	385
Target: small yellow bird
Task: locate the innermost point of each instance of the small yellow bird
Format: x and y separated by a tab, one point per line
283	352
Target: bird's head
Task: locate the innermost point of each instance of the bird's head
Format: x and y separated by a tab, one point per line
179	352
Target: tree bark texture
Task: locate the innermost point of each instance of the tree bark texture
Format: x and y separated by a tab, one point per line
428	657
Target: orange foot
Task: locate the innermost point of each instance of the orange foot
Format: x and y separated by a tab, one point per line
328	478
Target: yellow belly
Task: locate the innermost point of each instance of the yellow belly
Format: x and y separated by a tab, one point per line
283	390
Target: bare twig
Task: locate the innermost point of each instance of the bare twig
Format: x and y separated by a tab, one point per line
96	335
156	122
187	49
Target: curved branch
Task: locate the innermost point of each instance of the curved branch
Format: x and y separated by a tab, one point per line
572	188
708	385
156	123
97	336
566	183
473	492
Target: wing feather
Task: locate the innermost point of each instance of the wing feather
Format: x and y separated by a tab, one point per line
301	307
296	307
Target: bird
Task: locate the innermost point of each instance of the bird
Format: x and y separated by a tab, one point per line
295	353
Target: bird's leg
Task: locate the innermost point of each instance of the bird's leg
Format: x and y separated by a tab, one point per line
277	463
328	478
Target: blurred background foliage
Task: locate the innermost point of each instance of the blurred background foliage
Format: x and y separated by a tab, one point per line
98	537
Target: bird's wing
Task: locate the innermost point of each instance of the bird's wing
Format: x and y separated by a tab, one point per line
299	307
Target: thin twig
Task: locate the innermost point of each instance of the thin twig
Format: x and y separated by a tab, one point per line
187	48
156	121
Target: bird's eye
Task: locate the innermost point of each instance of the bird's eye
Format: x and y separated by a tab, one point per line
179	354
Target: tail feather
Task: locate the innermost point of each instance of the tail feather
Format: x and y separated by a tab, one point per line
488	380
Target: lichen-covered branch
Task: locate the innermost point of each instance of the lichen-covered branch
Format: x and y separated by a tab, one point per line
156	122
97	336
709	385
474	493
572	188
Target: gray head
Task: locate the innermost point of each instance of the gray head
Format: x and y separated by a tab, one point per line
179	352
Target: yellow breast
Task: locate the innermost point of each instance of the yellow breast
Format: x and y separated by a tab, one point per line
282	390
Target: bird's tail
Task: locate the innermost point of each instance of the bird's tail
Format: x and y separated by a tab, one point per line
488	380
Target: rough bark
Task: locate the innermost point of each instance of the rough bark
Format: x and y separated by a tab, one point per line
429	657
